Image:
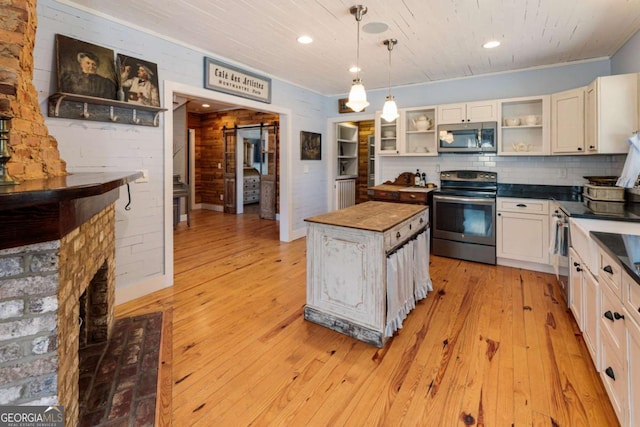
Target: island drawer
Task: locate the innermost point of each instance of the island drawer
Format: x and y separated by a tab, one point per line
397	235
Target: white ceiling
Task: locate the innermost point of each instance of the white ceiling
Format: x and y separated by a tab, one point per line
437	39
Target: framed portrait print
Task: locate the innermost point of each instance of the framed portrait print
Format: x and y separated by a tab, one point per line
138	81
310	146
85	69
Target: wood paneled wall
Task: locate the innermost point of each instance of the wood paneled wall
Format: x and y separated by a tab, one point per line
209	145
365	128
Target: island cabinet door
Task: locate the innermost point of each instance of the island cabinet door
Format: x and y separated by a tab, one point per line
345	274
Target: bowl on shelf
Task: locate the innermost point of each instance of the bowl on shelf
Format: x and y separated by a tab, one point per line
521	147
531	120
389	133
512	121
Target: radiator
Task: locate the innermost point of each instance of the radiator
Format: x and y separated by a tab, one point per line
345	193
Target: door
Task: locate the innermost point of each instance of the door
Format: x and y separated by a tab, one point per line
567	121
269	178
229	169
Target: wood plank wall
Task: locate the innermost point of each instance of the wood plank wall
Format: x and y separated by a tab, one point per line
365	128
209	144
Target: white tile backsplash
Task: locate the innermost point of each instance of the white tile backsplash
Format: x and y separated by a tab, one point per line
546	170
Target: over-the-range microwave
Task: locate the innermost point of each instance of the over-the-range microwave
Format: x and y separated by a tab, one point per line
479	137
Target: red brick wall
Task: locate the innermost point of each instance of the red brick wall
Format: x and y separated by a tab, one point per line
34	152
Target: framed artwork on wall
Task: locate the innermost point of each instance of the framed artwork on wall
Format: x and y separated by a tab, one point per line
310	146
138	81
85	69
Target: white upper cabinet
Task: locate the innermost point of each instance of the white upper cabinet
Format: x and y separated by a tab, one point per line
418	131
524	126
347	147
567	122
481	111
611	113
411	134
386	135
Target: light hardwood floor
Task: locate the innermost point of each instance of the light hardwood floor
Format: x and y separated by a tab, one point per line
491	346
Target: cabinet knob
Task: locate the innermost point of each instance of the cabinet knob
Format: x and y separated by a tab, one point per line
610	374
499	214
578	269
398	235
609	315
579	148
576	264
608	269
618	316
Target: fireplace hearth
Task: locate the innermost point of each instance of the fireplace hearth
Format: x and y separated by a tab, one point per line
43	284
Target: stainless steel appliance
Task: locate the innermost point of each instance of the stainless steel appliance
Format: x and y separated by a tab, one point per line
468	137
464	216
560	247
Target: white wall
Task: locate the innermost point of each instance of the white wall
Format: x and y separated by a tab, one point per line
140	232
94	146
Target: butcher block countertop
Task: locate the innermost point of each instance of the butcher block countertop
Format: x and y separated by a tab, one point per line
373	216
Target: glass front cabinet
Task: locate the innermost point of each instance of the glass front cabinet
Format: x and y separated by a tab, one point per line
411	134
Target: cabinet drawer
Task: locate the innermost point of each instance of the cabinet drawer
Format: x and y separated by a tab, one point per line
404	230
510	204
631	295
613	366
613	326
413	197
611	272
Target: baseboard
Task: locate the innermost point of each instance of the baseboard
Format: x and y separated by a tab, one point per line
139	289
544	268
210	207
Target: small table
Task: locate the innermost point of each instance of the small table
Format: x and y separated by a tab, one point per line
180	190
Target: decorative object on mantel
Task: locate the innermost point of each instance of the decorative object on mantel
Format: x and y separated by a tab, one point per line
228	79
357	95
310	146
390	109
5	155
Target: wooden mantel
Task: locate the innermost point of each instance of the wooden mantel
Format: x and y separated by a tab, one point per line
42	210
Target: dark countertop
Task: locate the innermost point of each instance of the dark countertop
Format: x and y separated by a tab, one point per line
57	189
610	211
623	247
529	191
572	203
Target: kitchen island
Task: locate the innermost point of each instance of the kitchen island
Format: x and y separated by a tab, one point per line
367	265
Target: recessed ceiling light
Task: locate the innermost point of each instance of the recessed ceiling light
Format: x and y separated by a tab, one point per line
354	69
491	44
206	105
375	27
305	39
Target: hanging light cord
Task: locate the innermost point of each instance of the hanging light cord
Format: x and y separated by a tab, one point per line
390	46
358	18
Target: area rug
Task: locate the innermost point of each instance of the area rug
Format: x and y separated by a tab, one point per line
119	383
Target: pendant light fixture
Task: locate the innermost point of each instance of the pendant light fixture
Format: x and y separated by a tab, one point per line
357	96
390	109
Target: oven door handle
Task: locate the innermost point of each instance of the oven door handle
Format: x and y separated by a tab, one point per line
477	201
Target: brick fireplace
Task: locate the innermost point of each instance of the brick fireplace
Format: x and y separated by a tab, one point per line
41	286
56	241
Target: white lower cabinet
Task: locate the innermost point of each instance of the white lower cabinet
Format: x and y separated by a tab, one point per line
633	344
522	231
591	333
576	284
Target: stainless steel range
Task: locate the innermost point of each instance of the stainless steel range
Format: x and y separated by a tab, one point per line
464	216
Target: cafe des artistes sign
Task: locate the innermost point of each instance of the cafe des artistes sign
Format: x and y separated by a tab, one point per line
226	78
